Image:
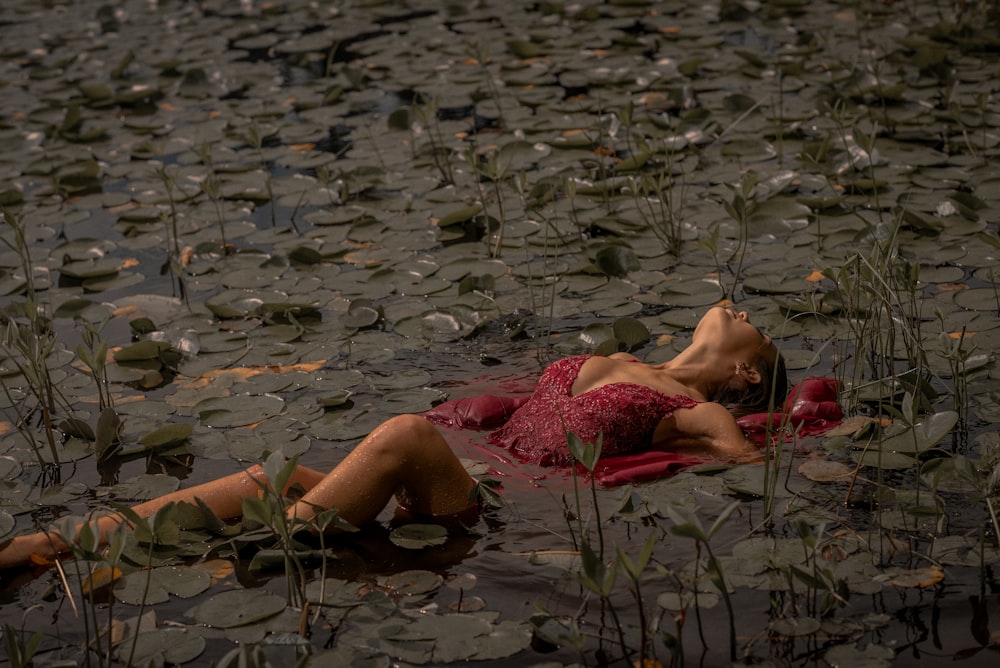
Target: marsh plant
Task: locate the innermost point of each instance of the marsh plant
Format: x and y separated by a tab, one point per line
596	574
741	207
28	342
211	185
269	514
633	135
425	111
605	571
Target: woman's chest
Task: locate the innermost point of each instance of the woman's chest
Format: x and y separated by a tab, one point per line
602	373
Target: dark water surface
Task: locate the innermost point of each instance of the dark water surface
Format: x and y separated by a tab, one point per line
415	201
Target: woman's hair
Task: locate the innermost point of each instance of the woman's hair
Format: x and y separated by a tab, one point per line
756	397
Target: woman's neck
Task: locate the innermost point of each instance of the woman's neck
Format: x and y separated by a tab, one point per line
702	377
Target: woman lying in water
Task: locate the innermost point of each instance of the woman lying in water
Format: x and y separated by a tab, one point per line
688	404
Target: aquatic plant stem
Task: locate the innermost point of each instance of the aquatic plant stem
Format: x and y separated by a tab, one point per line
993	517
142	604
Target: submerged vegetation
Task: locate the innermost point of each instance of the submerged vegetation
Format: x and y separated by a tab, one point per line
248	232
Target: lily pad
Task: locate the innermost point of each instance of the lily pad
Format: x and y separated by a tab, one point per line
822	470
238	411
146	486
156	585
165	646
230	609
412	583
419	536
923	435
7	524
795	626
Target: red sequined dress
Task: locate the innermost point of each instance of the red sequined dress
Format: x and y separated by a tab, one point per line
626	414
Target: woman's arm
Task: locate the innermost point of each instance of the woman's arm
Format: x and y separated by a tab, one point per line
707	430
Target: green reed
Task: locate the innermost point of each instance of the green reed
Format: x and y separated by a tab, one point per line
28	341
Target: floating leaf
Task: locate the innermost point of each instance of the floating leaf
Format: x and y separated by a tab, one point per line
155	585
166	436
173	646
419	536
411	583
7	524
238	411
822	470
459	216
91	269
10	468
269	560
218	569
362	313
918	577
632	332
146	486
98	579
108	432
141	351
795	626
923	435
617	261
235	608
77	427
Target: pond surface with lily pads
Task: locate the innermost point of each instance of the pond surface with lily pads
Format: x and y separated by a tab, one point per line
239	232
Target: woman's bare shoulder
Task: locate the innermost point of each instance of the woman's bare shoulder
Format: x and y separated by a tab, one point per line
710	428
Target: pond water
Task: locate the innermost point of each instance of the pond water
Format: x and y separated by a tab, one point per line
233	229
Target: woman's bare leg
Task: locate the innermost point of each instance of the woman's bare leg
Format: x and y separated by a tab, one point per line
224	496
405	456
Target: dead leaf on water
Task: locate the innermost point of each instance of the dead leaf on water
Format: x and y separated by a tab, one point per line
218	569
815	276
821	470
849	426
919	577
99	579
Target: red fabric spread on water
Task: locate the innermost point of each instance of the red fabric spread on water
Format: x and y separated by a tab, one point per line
533	427
626	414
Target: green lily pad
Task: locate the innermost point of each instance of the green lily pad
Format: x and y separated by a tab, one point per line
412	583
794	627
7	524
822	470
459	216
230	609
166	436
156	585
419	536
146	486
143	351
362	313
978	299
165	646
10	468
699	292
84	269
923	435
884	460
414	400
441	325
237	411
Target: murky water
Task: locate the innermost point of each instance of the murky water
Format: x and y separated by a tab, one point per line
407	201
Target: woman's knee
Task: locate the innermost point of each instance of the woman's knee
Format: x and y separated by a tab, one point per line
413	428
405	438
304	476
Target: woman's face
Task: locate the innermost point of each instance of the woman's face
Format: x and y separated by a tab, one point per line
732	332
